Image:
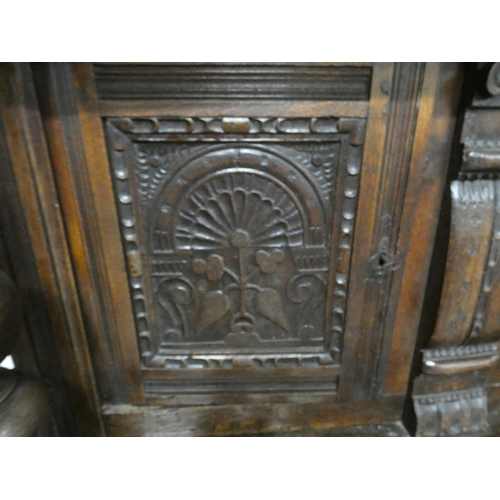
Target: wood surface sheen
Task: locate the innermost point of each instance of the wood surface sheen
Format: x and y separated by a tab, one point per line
243	249
40	260
454	394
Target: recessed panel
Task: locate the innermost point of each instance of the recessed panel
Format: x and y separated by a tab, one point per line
238	235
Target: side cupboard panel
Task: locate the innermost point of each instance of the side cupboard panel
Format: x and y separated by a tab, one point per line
40	262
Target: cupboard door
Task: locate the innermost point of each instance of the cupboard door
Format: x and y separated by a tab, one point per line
255	238
238	234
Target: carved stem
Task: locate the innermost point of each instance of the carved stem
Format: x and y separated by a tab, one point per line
241	281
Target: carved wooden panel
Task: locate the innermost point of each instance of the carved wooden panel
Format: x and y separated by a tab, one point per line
238	234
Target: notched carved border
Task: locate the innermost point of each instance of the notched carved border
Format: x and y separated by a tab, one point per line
244	125
258	360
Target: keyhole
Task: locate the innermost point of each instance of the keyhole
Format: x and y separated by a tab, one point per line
382	260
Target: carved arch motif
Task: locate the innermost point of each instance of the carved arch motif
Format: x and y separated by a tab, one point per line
244	220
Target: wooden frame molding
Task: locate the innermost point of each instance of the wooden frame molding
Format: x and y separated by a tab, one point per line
36	245
402	227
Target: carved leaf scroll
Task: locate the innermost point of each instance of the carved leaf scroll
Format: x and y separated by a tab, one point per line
177	291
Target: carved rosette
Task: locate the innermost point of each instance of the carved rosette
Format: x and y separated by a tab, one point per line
229	242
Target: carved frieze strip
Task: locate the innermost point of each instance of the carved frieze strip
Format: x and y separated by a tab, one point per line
474	176
458	359
484	159
238	108
263	360
246	385
452	413
471	193
232	81
449	397
230	125
482	144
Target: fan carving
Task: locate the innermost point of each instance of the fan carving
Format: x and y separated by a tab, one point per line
217	209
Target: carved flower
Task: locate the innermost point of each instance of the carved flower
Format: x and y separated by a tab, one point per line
213	267
267	261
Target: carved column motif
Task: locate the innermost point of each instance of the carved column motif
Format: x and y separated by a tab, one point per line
450	396
463	340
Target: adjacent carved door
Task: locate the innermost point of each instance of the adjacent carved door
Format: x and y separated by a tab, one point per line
250	241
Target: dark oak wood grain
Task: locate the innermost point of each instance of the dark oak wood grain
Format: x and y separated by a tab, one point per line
451	396
246	246
88	227
429	166
36	246
237	420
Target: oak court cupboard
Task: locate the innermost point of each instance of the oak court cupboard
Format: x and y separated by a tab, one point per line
256	248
